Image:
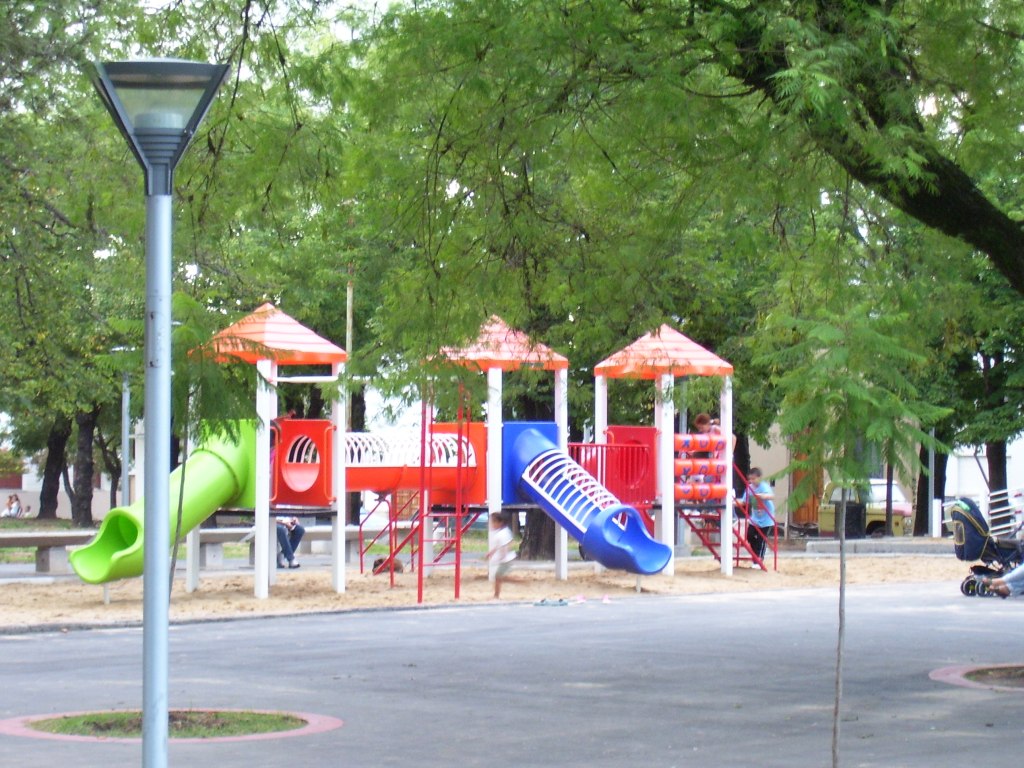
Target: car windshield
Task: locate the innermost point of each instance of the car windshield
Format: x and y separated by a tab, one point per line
878	494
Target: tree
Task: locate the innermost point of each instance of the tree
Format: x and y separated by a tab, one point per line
587	171
50	284
72	226
856	75
841	374
525	116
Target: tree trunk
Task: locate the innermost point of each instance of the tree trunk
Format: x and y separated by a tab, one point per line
357	423
741	458
538	537
889	479
317	406
996	455
81	504
111	460
56	444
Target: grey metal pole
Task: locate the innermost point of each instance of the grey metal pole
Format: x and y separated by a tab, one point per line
157	105
126	399
156	595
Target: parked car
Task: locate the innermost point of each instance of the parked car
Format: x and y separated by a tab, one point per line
873	499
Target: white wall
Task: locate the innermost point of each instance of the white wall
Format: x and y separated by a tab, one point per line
770	460
965	473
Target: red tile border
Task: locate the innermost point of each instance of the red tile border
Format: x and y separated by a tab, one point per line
958	676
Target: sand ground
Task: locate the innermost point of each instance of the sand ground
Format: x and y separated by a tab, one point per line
67	602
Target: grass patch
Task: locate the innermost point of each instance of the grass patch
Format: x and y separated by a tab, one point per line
1011	677
473	540
35	524
182	724
18	555
237	551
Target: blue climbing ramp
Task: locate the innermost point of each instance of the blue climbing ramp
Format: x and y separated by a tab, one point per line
610	532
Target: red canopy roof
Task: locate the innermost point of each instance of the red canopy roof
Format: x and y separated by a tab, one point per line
660	352
270	334
499	346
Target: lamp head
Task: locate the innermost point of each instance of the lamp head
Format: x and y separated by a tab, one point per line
157	105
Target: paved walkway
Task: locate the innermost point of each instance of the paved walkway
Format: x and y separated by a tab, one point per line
701	680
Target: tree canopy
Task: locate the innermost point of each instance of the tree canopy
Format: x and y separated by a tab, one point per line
587	170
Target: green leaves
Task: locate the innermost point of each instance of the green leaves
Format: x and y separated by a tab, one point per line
846	370
585	170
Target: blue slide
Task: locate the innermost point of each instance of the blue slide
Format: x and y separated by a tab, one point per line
609	531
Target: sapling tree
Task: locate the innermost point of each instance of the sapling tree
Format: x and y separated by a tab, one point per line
844	371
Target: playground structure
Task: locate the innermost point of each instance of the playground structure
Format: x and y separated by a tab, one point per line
453	471
625	465
701	488
662	356
316	463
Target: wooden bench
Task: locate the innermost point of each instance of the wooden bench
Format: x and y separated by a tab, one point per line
206	545
51	546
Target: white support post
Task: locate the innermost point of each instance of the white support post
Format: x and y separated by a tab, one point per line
684	534
429	416
192	560
935	523
562	420
266	411
339	415
730	495
664	416
931	491
494	454
600	424
600	410
140	456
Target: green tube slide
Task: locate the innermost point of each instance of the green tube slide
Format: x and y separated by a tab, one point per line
219	473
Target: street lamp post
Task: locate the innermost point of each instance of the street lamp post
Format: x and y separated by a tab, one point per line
157	105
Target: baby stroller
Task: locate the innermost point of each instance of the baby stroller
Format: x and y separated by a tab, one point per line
973	541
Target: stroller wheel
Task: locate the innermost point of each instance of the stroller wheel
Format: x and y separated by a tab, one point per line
969	587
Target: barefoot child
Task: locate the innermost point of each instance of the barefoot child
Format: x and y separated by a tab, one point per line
502	551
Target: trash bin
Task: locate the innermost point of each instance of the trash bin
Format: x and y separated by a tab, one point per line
856	520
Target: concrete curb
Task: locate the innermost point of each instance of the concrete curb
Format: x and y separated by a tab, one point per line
884	546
